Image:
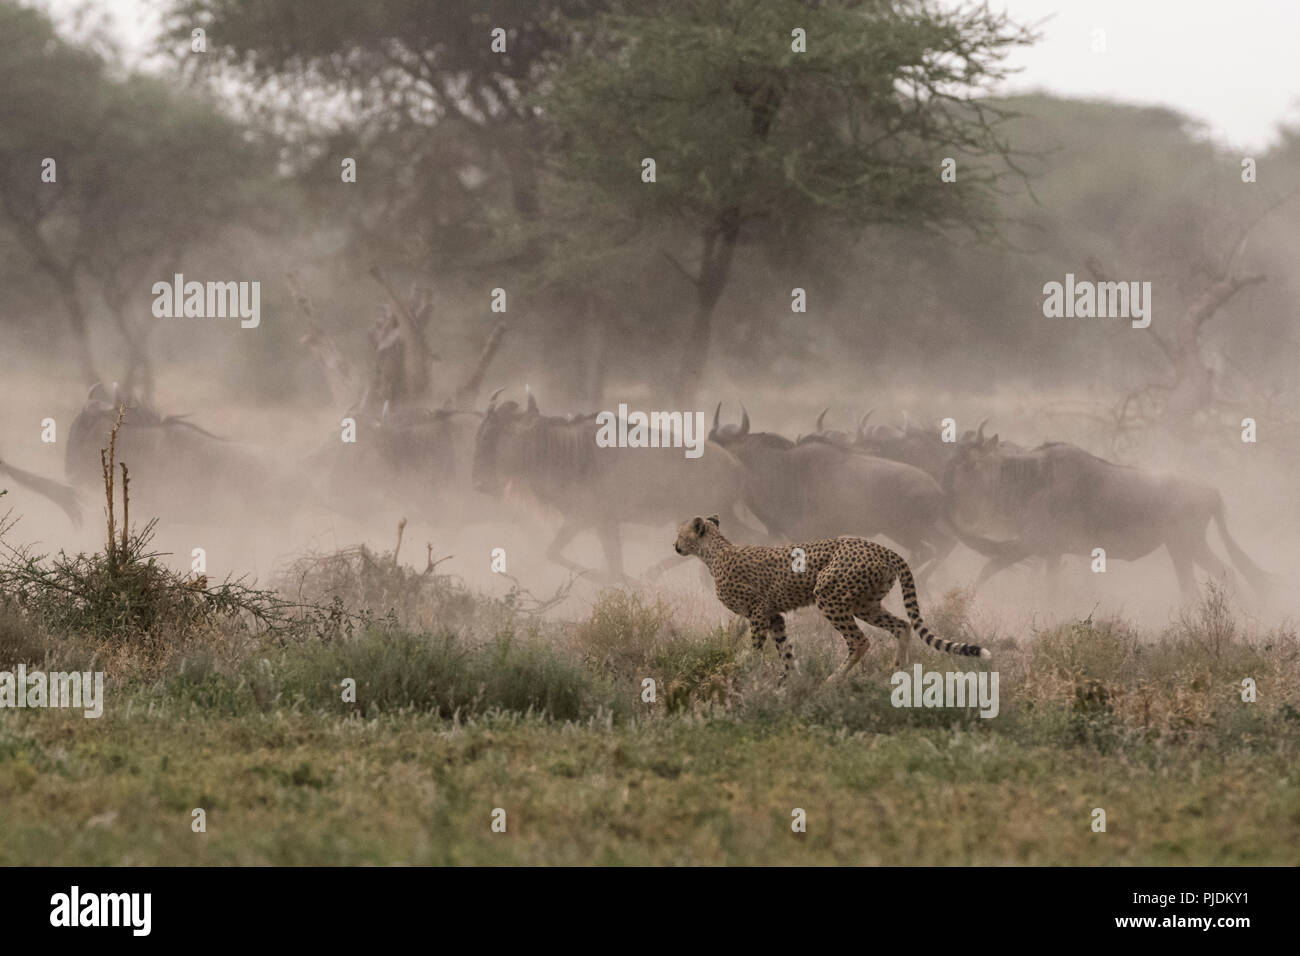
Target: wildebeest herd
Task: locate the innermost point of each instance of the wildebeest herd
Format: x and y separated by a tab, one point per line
927	496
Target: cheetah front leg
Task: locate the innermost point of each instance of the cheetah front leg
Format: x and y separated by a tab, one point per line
777	625
758	632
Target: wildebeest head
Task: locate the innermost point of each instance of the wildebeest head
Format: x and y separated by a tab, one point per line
831	436
874	436
973	478
971	435
692	534
89	431
523	444
729	434
496	423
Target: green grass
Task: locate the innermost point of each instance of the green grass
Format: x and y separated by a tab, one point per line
465	704
298	788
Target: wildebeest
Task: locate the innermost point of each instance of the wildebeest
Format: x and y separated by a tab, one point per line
1058	499
180	472
831	436
922	448
416	458
60	494
557	461
816	490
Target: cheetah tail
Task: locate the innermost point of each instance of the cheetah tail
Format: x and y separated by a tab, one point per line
923	632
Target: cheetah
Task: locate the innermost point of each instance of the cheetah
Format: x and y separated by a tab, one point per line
845	577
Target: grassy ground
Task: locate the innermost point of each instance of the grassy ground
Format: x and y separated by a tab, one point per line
466	704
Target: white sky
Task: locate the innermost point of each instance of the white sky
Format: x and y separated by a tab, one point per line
1229	63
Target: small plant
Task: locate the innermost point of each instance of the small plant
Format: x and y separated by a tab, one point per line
623	633
1210	622
374	584
126	593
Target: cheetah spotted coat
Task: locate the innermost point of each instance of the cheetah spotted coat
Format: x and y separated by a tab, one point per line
845	577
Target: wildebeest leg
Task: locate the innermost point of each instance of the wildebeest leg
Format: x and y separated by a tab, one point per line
751	519
920	553
1052	577
657	569
612	544
922	556
568	530
993	566
944	545
1207	559
1182	558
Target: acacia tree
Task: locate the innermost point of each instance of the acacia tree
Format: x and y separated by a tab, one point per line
767	117
438	105
141	175
51	105
1190	383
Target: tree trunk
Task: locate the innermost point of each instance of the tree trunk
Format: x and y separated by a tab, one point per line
67	285
1194	384
138	379
521	159
715	267
65	281
597	352
466	396
763	96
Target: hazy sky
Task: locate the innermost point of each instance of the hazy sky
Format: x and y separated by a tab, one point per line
1230	63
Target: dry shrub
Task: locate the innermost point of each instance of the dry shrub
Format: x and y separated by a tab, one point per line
1210	623
623	631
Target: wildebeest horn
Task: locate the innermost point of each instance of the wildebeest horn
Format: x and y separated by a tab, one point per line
979	432
532	402
716	413
492	399
744	420
821	416
862	422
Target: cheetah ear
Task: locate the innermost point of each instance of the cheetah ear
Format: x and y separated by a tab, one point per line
697	525
715	520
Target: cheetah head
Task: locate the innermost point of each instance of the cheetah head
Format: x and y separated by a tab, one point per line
692	532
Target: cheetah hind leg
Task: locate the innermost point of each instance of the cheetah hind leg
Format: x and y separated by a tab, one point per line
835	607
856	650
877	616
